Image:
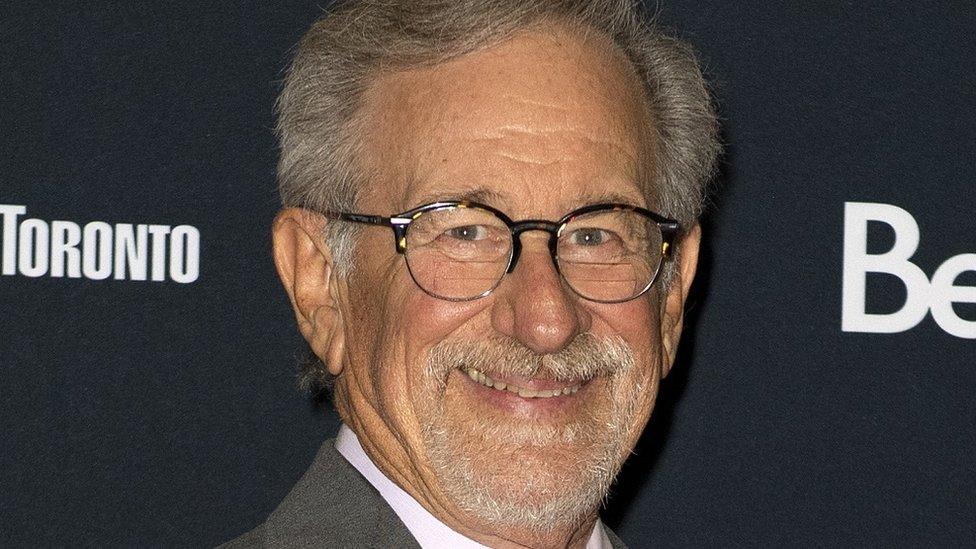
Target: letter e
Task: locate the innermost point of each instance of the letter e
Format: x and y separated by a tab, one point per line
944	294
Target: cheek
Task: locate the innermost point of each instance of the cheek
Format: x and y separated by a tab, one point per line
637	322
393	330
428	321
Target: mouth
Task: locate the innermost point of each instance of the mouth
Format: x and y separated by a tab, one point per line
526	388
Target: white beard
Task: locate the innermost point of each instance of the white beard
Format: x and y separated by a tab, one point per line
532	476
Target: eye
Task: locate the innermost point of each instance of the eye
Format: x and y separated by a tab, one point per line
468	232
589	236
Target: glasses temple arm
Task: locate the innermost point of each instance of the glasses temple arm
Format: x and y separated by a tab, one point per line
359	218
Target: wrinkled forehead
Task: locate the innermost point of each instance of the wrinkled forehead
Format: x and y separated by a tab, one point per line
553	109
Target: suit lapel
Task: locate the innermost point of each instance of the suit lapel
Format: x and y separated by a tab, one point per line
332	505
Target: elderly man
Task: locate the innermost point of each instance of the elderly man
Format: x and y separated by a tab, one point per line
489	234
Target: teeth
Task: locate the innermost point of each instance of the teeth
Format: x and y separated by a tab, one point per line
523	392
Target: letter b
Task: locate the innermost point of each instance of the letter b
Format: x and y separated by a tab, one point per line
858	262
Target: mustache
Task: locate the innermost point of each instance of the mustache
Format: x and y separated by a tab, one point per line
585	357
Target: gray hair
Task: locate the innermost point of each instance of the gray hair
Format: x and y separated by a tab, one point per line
356	40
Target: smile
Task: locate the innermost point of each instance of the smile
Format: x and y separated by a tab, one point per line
524	392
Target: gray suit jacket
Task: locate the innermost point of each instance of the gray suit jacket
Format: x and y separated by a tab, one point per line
334	506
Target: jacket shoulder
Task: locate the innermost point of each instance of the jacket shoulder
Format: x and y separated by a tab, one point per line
332	505
251	540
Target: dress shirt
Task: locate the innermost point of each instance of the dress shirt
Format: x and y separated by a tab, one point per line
430	532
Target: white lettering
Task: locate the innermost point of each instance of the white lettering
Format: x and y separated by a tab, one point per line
10	212
921	295
97	245
158	233
857	263
945	293
131	251
124	251
65	255
32	259
184	254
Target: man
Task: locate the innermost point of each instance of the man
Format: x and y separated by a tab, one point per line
490	231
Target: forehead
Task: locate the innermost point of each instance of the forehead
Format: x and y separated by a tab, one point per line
541	123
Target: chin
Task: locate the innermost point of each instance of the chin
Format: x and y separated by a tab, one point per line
533	464
535	478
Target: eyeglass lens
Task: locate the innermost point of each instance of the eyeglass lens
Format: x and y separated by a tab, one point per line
609	255
461	253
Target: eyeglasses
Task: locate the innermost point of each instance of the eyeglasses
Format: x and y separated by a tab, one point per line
460	251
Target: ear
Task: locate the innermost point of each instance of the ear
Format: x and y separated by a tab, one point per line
305	267
674	303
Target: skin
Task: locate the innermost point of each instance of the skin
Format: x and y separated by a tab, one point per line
539	125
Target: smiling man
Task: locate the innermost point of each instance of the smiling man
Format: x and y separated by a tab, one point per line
489	234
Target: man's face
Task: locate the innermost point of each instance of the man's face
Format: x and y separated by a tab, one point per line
536	127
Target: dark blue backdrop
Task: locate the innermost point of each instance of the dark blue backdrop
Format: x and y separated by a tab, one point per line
165	413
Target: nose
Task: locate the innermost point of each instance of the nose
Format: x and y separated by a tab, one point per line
533	304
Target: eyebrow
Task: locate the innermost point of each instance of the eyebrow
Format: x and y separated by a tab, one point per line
483	195
613	197
491	197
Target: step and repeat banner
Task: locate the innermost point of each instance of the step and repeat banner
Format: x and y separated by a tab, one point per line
824	393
